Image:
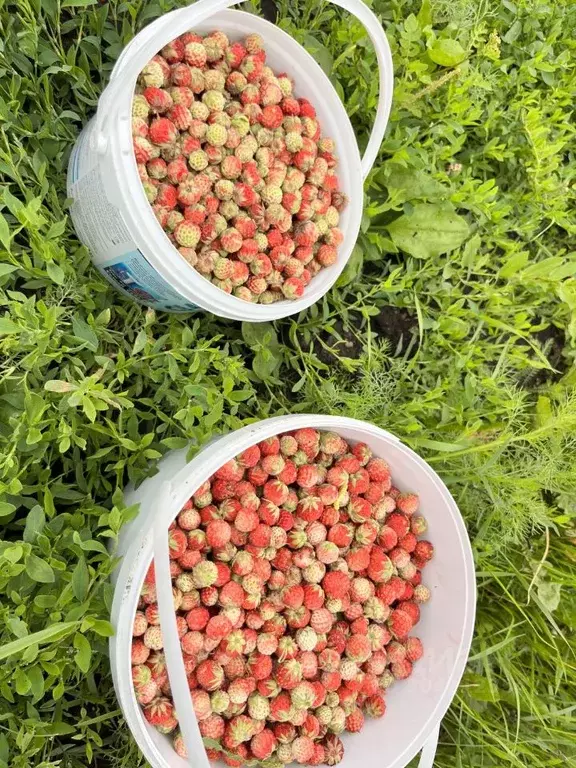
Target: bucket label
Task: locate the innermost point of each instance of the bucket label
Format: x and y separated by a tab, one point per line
101	227
137	278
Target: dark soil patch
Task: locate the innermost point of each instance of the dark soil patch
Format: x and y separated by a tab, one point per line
399	327
269	10
552	340
344	342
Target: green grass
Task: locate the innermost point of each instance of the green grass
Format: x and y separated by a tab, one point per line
93	389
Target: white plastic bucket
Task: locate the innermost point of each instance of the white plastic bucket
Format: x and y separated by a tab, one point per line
110	211
415	707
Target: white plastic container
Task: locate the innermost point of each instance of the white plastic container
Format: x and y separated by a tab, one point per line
110	211
415	707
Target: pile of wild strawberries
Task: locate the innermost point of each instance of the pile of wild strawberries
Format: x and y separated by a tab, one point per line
297	580
236	168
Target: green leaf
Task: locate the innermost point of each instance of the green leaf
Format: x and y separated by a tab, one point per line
84	332
6	269
447	52
549	594
35	521
80	580
59	386
429	231
5	238
415	184
6	509
8	326
83	653
50	634
39	570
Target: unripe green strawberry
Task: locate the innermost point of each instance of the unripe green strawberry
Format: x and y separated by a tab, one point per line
140	106
214	100
199	111
198	160
188	235
216	135
152	75
214	80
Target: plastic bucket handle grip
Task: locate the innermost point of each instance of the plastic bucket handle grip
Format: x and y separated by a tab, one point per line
172	649
171	25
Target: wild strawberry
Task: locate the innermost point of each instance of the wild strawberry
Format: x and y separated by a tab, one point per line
139	652
375	706
153	638
159	712
158	99
424	550
249	458
262	744
210	675
333	749
399	523
140	624
197	618
408	503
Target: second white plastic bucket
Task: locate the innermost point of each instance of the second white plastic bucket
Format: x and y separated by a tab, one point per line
111	214
415	706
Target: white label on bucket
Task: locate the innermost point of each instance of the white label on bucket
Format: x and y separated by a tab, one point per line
100	226
135	276
98	223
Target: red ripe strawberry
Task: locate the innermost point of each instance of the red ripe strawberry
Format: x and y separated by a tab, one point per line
358	648
310	508
412	609
139	652
284	732
378	470
223	489
347	463
231	471
359	482
218	533
250	457
257	476
197	618
402	669
336	584
177	543
399	523
414	649
159	100
263	744
210	675
293	596
387	538
276	492
270	446
400	623
358	559
375	706
408	503
190	558
289	473
259	666
355	721
408	543
424	550
280	707
302	749
246	520
160	712
271	116
331	680
163	132
308	440
308	476
306	109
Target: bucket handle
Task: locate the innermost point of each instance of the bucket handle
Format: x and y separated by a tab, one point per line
177	22
172	649
429	749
